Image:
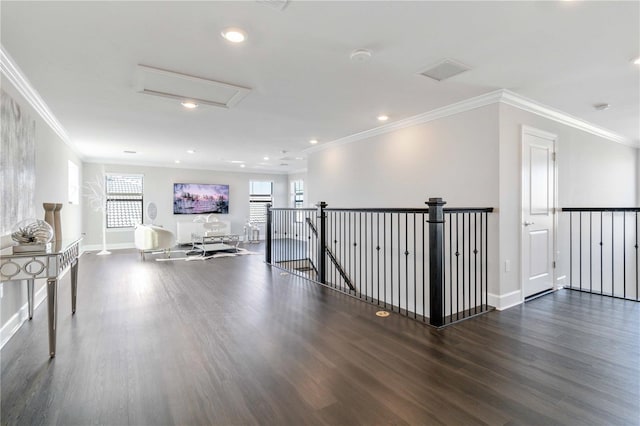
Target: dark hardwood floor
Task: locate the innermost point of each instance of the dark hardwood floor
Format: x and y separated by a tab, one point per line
231	341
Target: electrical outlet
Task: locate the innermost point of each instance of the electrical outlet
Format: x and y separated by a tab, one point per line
507	265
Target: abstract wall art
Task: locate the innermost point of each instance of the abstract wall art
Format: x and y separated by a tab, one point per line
17	163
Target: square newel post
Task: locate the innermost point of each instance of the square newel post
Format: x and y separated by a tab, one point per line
436	256
267	251
322	242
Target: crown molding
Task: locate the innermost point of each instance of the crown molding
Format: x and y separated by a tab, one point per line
14	74
513	99
445	111
504	96
161	165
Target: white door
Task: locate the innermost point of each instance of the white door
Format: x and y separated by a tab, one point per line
538	196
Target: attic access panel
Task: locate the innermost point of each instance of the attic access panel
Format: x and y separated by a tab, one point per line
174	85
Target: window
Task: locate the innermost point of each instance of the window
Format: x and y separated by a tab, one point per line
260	194
74	183
124	200
297	193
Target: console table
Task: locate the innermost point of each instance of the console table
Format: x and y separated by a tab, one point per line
52	265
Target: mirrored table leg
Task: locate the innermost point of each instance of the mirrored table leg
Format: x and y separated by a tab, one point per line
74	285
52	305
30	284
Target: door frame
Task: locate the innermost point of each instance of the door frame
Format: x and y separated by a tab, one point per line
528	130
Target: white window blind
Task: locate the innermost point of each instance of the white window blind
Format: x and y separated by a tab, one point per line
124	200
298	193
260	194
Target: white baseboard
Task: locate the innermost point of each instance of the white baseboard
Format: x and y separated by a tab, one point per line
561	282
505	301
14	323
115	246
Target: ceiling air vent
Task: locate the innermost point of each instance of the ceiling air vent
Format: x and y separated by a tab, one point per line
445	69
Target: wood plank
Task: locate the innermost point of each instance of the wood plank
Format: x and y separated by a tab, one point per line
233	341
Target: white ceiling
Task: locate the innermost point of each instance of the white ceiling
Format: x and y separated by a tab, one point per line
82	59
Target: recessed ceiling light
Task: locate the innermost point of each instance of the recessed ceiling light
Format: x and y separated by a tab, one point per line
234	35
360	55
383	117
191	151
243	165
637	61
129	152
313	141
265	158
177	161
602	107
189	104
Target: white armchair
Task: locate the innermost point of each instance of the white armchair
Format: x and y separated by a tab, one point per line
152	237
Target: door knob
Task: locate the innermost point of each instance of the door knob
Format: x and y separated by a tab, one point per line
528	223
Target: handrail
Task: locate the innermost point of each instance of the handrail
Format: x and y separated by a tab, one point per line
379	210
294	209
340	270
601	209
428	263
312	227
603	250
468	210
399	210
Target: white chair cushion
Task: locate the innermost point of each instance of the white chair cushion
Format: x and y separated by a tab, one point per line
152	237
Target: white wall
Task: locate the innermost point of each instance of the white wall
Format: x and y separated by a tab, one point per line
52	155
473	159
592	172
455	158
158	188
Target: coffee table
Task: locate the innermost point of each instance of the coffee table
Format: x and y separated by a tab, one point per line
214	243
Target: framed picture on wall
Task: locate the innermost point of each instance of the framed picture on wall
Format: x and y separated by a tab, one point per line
200	198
